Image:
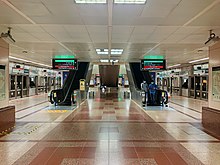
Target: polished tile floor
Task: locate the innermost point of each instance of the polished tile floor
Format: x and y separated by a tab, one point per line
108	130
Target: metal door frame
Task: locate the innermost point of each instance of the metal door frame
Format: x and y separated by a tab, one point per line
207	89
189	86
14	90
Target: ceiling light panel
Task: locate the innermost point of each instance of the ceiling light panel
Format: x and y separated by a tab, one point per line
104	60
116	51
90	1
130	1
113	51
114	61
102	52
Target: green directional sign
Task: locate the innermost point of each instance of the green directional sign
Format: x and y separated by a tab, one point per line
154	57
64	56
65	61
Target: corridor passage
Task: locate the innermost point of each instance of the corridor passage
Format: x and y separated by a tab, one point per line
107	130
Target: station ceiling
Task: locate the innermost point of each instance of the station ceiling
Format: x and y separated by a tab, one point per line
176	29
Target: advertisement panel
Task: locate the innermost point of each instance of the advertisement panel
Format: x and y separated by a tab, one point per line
82	84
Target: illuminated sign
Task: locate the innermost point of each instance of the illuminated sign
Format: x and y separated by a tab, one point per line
64	56
154	57
17	70
65	64
153	64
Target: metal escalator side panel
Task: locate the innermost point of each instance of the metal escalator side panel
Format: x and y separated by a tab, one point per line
56	96
136	74
61	94
79	74
89	74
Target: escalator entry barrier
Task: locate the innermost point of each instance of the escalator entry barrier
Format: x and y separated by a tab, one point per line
91	94
74	81
143	96
74	98
126	95
161	98
51	97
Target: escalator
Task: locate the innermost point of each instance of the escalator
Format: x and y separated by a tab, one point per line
63	96
138	75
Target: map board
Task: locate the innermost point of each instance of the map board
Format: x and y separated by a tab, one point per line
216	83
2	83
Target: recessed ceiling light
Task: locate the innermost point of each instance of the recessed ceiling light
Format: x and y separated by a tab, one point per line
104	53
116	51
36	63
173	66
202	59
90	1
130	1
114	61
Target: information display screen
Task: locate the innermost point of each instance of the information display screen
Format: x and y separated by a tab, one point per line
65	64
153	64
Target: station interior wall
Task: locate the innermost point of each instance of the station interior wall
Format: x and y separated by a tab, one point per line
109	75
214	60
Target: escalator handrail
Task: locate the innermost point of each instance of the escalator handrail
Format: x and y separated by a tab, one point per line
53	100
65	82
68	88
71	85
134	79
135	86
51	97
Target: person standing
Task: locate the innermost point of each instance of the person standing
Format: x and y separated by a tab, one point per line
144	87
152	89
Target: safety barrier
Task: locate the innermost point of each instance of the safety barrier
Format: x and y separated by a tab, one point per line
91	94
127	94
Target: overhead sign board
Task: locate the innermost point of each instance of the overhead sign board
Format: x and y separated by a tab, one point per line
153	64
18	70
65	64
